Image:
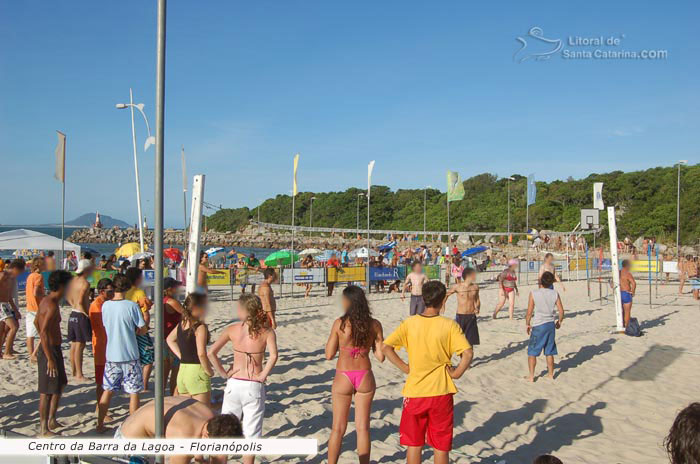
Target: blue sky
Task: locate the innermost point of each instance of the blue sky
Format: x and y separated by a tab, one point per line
420	87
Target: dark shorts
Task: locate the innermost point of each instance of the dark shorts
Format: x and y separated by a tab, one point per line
79	328
417	305
51	385
146	351
542	338
626	297
467	322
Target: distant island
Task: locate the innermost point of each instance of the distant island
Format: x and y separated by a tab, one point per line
88	219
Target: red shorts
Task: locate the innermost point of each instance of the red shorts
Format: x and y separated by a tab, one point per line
430	417
99	374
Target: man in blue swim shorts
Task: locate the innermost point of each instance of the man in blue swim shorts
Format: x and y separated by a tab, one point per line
545	314
627	288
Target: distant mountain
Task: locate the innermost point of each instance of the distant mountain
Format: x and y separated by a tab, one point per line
88	219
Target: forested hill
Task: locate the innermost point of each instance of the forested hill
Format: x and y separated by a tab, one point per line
646	201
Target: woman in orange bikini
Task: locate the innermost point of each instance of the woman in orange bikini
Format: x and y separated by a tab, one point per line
353	336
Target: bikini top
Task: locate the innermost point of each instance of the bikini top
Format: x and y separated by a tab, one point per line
355	351
249	359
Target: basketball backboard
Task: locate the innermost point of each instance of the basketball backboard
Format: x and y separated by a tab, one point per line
590	219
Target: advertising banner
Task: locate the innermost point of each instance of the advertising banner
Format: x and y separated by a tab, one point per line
347	274
304	276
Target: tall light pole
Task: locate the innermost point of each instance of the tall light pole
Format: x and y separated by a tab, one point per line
425	202
311	216
149	141
678	209
509	179
361	194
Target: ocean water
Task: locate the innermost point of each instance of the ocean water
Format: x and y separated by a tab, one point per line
109	248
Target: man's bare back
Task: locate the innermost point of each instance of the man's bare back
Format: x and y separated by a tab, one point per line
78	295
267	296
7	288
184	418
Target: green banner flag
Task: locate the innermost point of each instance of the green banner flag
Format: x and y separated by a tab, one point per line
455	189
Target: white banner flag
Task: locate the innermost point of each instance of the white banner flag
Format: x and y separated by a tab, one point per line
598	195
60	173
370	167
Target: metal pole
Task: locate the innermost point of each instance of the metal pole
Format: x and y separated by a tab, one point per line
425	200
158	232
184	192
63	219
678	213
527	241
368	252
291	254
508	239
649	270
136	170
358	216
612	229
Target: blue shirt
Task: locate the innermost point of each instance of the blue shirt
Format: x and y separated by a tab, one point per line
121	319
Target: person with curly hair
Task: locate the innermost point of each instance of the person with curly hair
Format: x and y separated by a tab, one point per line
353	336
189	344
250	338
683	440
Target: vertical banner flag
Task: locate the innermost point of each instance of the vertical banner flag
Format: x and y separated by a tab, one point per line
60	174
455	188
531	189
296	165
598	195
370	167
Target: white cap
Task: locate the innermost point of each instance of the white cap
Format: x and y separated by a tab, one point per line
82	265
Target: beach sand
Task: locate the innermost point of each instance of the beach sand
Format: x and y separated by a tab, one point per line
613	399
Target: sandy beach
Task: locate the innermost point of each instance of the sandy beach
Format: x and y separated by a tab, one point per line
613	399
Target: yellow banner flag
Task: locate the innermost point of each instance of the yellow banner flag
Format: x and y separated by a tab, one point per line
296	165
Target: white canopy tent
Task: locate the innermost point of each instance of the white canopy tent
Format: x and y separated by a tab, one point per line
24	239
362	253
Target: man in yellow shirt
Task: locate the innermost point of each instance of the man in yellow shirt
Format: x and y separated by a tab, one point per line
430	340
145	342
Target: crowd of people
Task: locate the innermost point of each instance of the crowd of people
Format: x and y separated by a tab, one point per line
114	319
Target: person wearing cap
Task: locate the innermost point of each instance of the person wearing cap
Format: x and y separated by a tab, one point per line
79	327
172	315
509	288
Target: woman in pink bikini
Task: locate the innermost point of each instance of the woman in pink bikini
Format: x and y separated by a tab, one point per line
353	335
508	288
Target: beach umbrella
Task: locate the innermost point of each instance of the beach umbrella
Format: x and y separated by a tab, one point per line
474	251
387	246
324	256
310	251
144	255
173	254
362	252
128	249
213	251
281	258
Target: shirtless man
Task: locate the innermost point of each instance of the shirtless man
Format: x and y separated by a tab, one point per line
79	328
267	296
468	305
244	395
415	279
627	288
548	266
9	314
51	370
204	270
184	418
690	272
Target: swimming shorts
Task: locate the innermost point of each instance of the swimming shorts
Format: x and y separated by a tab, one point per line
542	338
29	326
430	417
246	400
123	376
51	385
417	305
6	311
79	328
467	322
626	297
192	380
146	351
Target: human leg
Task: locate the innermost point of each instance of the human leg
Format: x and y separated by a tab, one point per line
341	399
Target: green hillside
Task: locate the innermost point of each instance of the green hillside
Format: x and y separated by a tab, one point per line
646	199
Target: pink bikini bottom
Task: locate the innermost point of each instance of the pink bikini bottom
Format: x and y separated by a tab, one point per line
355	377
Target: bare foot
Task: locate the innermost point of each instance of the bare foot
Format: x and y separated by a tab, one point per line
9	356
48	434
101	429
32	359
550	376
81	379
54	424
529	378
494	315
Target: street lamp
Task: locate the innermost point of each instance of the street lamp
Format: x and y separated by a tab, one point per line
311	216
509	179
361	194
149	141
678	209
425	201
